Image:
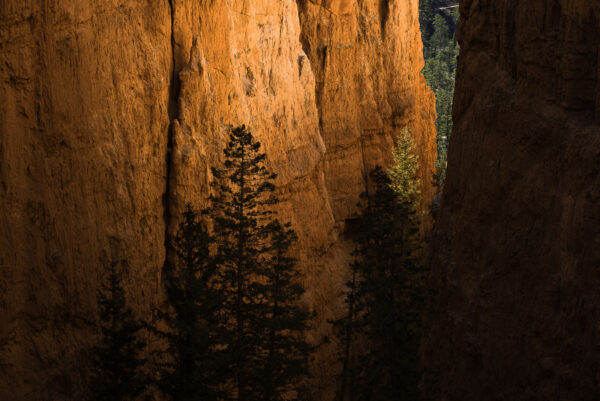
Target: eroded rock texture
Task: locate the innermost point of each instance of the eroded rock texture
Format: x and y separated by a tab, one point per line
518	240
84	121
367	59
114	110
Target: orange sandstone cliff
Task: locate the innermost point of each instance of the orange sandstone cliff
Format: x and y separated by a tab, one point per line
517	248
113	112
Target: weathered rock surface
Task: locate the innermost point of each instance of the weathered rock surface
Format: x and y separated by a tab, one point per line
367	59
114	110
518	240
85	89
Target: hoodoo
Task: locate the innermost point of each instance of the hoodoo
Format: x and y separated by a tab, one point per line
114	110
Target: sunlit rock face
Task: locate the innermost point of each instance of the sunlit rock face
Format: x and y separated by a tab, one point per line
367	60
113	113
518	241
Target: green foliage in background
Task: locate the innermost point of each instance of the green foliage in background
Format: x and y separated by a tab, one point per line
440	49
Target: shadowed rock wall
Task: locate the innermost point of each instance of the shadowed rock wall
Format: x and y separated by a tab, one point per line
83	142
517	248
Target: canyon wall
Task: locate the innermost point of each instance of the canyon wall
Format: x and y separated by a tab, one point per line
517	247
84	126
113	112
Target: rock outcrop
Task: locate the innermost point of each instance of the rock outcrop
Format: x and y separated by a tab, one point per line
518	240
114	110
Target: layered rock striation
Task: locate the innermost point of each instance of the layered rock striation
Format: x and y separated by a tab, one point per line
113	112
517	246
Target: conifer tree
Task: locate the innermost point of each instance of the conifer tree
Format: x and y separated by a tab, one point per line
403	172
241	191
426	14
116	375
235	330
389	291
441	33
391	294
285	365
393	290
192	364
266	356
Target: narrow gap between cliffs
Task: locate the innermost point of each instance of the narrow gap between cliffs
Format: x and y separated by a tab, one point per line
439	21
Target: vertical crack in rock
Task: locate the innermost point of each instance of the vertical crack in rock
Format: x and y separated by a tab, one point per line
173	111
384	12
301	6
365	168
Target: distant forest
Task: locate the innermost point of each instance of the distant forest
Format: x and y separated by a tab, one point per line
439	19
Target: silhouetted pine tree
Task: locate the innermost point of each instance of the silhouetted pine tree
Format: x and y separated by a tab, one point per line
249	268
115	375
241	189
395	284
390	293
285	365
193	363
